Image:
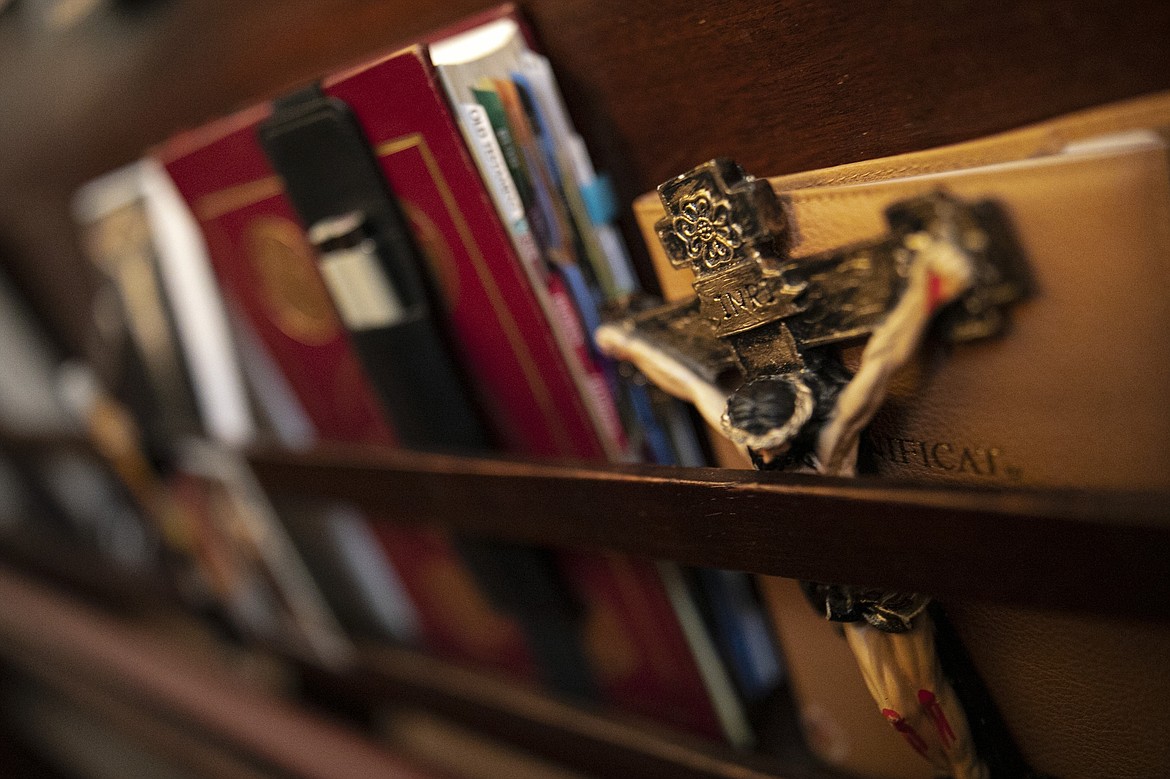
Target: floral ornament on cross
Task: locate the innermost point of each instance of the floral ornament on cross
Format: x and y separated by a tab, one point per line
710	235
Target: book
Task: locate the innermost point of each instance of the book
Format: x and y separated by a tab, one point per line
530	167
140	235
139	332
482	58
520	136
503	336
482	65
1080	369
266	268
949	419
378	281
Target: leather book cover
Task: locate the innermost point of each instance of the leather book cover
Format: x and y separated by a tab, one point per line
265	265
1073	395
1083	367
640	656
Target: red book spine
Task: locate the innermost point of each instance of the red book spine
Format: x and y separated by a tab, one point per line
502	336
639	653
641	657
264	263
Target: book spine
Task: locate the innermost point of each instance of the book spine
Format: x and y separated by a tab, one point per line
550	291
378	281
496	288
265	266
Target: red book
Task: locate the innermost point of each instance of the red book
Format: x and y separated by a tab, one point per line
641	658
266	266
640	655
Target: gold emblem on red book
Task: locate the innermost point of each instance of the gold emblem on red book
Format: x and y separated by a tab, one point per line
294	296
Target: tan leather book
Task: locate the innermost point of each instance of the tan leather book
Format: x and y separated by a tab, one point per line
1073	395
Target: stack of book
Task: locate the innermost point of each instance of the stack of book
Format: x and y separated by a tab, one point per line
409	253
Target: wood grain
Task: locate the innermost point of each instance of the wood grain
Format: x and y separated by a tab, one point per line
39	626
100	658
600	744
1079	551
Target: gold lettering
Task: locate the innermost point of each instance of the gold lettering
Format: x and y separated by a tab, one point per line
754	291
747	299
737	300
727	313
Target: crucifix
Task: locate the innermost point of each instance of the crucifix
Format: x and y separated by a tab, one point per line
757	351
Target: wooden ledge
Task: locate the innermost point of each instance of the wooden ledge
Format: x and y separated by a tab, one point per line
1070	550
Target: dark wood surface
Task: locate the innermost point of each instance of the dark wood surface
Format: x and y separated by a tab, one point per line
600	744
656	87
162	739
118	663
1080	551
39	627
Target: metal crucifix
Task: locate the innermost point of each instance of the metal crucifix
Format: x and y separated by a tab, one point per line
756	351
